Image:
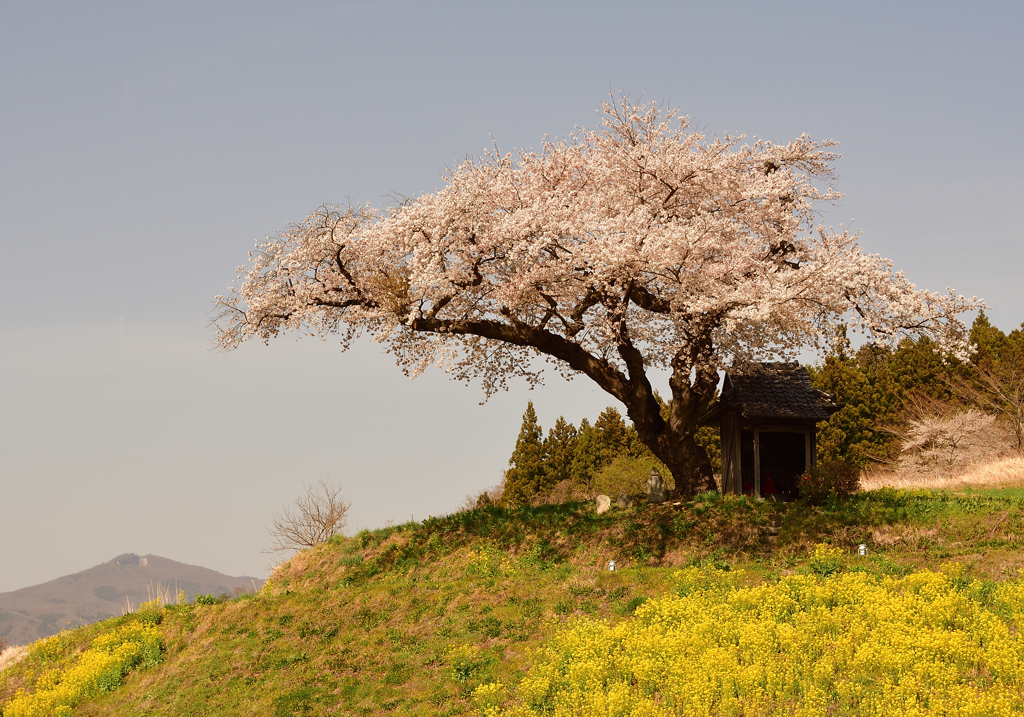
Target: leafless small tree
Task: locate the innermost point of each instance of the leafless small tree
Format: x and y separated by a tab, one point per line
314	518
998	391
948	437
485	497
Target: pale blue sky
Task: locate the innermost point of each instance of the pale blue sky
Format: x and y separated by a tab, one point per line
145	146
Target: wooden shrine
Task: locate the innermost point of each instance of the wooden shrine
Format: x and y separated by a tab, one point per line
768	415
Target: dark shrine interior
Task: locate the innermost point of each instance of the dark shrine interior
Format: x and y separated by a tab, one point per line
783	460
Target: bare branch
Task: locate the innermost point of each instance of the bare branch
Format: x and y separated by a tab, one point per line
314	518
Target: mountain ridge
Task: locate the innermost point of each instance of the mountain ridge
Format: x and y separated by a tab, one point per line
104	591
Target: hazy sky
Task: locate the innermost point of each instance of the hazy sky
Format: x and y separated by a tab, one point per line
144	147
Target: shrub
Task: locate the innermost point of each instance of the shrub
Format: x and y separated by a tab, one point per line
626	474
829	479
316	517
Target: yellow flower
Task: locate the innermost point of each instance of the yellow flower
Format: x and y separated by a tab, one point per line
847	643
99	669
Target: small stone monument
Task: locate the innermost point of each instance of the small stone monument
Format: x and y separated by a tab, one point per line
603	504
624	501
655	487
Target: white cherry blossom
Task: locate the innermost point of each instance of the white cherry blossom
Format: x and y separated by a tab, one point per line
642	245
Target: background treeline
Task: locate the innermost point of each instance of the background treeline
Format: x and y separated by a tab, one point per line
904	409
569	462
910	407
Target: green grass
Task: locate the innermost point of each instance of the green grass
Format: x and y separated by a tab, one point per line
410	619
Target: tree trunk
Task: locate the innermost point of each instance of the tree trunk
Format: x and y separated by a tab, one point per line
676	446
691	469
692	394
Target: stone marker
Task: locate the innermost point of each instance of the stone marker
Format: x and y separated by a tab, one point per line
603	504
624	501
655	487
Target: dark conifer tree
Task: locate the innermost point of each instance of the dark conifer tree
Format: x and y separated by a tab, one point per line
996	380
880	390
991	343
861	383
586	459
918	369
525	477
612	437
559	450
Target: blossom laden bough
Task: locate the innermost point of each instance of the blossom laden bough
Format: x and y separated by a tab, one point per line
637	247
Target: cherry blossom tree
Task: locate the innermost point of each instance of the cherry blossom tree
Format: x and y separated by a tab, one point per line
624	254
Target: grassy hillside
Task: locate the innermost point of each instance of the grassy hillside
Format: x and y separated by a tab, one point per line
412	619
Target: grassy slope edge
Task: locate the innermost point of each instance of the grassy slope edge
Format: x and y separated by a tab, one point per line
412	618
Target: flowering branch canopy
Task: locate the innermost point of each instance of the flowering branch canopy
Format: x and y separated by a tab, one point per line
643	244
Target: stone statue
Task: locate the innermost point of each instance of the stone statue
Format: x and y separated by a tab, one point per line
655	487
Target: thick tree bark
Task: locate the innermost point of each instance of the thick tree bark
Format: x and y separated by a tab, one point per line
676	446
673	441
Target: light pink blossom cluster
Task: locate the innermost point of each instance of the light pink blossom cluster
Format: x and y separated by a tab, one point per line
640	245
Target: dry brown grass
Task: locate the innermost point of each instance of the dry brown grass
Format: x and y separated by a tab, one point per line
11	655
886	536
1002	473
563	492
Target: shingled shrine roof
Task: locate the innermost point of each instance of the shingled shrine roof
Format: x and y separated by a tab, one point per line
773	391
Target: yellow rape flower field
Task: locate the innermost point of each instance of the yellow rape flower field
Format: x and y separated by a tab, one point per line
97	670
929	643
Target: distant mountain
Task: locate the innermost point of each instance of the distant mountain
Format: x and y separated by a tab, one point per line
104	591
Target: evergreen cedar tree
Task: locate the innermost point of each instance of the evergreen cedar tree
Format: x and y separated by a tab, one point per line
997	383
876	386
527	477
641	246
538	464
